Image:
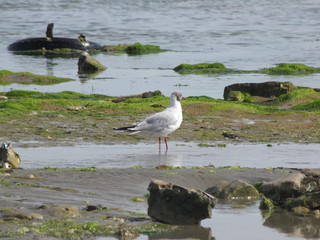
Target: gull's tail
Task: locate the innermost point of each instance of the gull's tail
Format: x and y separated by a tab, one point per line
125	128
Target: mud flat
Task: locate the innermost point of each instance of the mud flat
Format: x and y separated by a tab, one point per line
119	194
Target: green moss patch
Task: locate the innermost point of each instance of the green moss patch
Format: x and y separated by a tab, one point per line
219	68
290	69
132	49
70	116
202	68
8	77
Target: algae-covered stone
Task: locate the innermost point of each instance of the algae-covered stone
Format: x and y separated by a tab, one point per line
8	77
295	191
202	68
132	49
138	48
266	204
270	89
87	64
237	189
290	69
235	96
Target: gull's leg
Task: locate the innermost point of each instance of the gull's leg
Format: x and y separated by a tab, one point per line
166	141
159	144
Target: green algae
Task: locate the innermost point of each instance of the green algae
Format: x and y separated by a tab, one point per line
219	68
308	106
138	48
203	68
8	77
296	95
69	116
132	49
75	229
290	69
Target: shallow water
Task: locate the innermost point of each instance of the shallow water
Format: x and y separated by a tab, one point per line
242	34
179	154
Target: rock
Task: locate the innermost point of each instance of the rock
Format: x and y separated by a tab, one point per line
235	96
61	211
266	204
296	192
174	204
269	90
87	64
90	208
143	95
237	189
8	157
279	190
311	172
3	98
17	215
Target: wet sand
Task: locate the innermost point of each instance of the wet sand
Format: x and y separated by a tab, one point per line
112	188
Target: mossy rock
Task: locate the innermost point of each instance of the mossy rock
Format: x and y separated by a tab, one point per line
290	69
138	48
132	49
239	97
202	68
308	106
266	204
235	96
8	77
297	95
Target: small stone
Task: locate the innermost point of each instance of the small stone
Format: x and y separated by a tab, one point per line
3	98
31	176
87	64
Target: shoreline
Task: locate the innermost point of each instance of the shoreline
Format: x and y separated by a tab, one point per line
115	190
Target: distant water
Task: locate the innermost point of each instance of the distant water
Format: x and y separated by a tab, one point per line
242	34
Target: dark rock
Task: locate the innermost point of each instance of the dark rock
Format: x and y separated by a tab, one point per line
230	135
174	204
265	89
90	208
87	64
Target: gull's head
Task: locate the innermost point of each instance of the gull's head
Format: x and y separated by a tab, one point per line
176	96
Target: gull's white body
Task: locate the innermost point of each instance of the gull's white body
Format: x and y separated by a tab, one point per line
162	123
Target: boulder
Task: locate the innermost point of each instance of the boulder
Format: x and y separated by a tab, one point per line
295	192
237	189
8	157
87	64
175	204
269	90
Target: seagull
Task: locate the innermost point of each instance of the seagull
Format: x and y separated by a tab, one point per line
162	123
